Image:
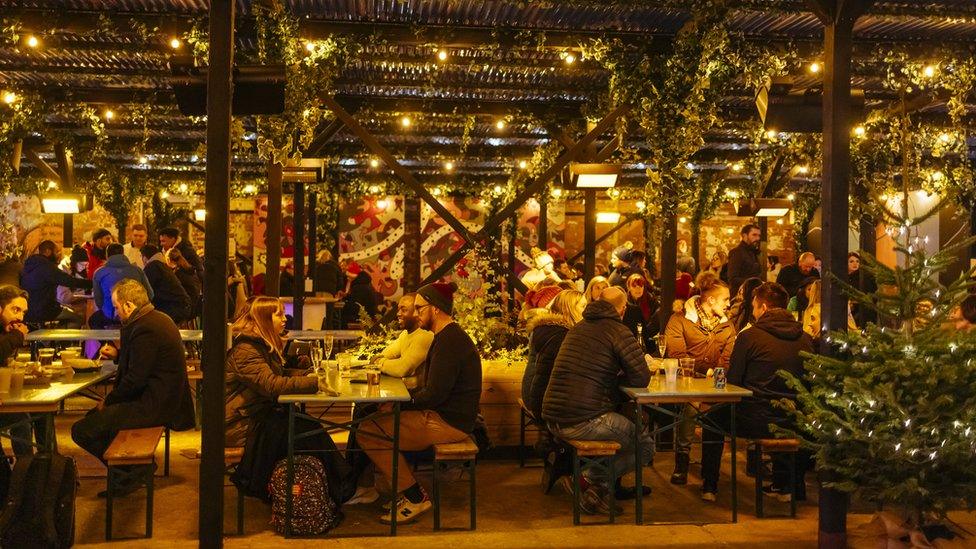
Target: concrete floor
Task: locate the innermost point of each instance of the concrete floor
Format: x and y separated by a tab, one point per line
512	512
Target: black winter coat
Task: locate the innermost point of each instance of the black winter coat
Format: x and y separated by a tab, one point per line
743	264
151	381
41	278
169	297
546	334
329	278
792	278
597	356
772	344
9	343
361	294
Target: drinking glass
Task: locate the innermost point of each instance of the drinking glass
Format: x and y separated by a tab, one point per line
332	373
327	347
345	362
687	367
671	372
662	344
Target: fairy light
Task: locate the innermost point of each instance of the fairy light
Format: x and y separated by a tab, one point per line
791	197
436	191
772	134
737	167
406	122
944	137
929	71
175	43
802	170
108	114
497	190
374	163
32	41
523	164
143	159
556	192
374	189
859	131
9	97
250	189
310	46
814	67
183	188
682	219
569	58
382	204
442	55
164	194
640	205
449	166
500	125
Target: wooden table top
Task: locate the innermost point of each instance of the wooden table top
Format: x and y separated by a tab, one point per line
187	335
686	389
390	389
47	399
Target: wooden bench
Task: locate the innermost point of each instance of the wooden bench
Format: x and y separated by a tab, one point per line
134	449
775	446
599	453
460	454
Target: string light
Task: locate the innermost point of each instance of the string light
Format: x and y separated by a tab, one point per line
556	192
374	163
108	114
772	134
500	125
310	46
779	221
569	58
183	188
406	122
250	189
737	167
9	97
791	197
164	194
815	67
929	71
382	204
640	205
374	189
803	170
523	164
175	43
32	41
497	190
682	219
436	191
442	55
944	137
143	159
859	131
449	166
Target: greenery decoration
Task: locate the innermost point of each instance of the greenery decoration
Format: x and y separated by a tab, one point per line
892	413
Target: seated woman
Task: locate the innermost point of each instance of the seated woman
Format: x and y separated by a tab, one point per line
254	381
642	311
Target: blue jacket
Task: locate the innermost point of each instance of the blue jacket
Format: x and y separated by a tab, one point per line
108	275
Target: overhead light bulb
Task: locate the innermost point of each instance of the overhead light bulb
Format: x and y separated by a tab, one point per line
183	188
802	170
523	164
449	166
791	197
500	125
175	43
569	59
9	97
143	159
859	131
108	114
374	163
815	67
250	189
772	134
442	55
406	122
737	167
310	46
944	137
32	41
929	71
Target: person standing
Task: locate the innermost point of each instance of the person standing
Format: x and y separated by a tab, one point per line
41	278
170	238
328	275
97	250
744	258
443	408
771	345
360	296
151	388
169	297
133	249
791	277
116	269
686	263
191	285
701	332
622	261
597	357
863	282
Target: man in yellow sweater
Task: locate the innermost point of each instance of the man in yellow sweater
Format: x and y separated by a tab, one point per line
402	357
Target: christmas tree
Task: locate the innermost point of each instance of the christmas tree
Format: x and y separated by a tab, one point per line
891	412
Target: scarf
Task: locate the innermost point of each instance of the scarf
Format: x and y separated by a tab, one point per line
706	321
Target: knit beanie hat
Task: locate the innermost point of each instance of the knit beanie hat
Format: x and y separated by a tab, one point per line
100	233
440	295
78	254
542	297
353	268
624	253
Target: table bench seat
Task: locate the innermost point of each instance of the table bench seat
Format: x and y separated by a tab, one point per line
134	446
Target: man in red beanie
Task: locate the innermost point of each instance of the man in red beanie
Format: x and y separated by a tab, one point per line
360	295
443	408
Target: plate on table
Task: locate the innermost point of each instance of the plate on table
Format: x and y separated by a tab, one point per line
82	365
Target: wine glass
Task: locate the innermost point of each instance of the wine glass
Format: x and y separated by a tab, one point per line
662	344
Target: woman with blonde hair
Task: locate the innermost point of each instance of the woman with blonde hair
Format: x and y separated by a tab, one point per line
546	332
595	287
810	316
254	380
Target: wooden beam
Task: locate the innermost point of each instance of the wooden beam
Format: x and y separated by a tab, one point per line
530	190
66	168
589	234
627	219
220	92
393	164
40	164
323	137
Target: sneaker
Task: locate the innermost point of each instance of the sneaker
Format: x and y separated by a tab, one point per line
407	511
680	474
365	494
596	500
778	494
707	495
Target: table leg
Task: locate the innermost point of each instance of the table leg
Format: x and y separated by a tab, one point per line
638	466
290	469
735	488
396	462
51	438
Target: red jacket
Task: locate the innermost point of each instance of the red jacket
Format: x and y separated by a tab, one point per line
94	261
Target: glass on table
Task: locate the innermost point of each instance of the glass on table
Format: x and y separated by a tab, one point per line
687	367
671	368
345	362
662	344
327	342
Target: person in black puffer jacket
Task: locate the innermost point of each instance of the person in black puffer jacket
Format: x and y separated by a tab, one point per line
597	357
169	297
546	332
360	296
41	278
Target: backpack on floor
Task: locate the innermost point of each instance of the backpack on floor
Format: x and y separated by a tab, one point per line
312	510
40	506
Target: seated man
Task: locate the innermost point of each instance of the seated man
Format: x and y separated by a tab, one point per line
443	408
13	307
151	388
115	269
402	357
169	297
41	278
597	356
773	343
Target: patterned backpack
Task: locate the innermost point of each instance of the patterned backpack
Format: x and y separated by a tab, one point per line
312	510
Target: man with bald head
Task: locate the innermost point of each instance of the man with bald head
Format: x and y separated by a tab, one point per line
791	277
598	355
409	350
